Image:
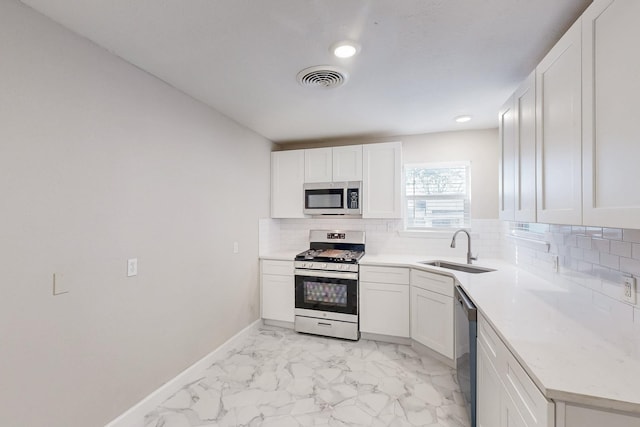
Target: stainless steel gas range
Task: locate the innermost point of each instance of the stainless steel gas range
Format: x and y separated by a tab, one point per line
326	284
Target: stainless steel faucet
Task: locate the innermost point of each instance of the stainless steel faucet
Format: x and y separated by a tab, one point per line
470	257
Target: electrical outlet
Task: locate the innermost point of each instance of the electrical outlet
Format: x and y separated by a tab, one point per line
629	289
554	263
132	267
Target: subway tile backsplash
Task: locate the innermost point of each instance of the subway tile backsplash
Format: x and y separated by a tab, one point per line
593	257
383	236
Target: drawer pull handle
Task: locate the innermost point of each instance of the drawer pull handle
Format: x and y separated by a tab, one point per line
324	324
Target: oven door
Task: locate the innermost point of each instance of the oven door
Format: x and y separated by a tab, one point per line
327	291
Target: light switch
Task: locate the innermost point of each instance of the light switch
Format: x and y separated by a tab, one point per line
132	267
236	248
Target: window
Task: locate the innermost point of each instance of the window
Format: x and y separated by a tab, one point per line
437	195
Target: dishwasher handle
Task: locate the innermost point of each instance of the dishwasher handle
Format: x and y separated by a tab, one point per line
465	303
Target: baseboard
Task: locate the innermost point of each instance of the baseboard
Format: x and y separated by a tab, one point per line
423	349
385	338
134	416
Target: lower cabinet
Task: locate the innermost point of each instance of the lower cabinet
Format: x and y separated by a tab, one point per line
507	396
489	390
277	290
384	301
432	311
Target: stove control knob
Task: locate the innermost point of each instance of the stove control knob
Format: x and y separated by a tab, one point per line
324	265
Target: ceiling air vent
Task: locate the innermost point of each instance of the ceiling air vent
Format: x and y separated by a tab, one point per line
322	76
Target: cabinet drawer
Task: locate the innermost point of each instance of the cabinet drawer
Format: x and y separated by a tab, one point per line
393	275
432	282
491	342
282	268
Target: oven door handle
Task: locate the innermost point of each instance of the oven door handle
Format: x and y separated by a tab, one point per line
327	274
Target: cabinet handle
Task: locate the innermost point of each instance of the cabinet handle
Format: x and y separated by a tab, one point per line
324	324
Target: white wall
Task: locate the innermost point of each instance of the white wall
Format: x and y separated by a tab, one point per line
480	147
100	162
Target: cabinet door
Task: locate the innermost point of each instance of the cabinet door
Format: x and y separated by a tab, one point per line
318	165
558	136
381	180
432	320
347	163
525	150
489	390
506	189
611	136
384	309
509	415
278	297
287	177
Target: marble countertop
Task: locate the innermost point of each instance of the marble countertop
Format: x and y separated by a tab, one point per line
572	350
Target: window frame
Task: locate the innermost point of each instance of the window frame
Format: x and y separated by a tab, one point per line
436	165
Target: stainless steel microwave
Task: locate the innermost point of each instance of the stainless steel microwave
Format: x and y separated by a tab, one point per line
333	198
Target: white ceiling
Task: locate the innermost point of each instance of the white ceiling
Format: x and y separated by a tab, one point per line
422	61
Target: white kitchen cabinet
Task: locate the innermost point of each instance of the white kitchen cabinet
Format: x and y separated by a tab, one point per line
347	163
287	178
558	135
489	390
318	165
382	180
507	137
384	300
509	414
524	101
277	290
569	415
384	309
506	395
611	136
333	164
432	311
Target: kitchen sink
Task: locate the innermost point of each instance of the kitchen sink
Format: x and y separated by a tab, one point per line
467	268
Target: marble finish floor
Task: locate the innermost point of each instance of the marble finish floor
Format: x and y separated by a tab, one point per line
277	377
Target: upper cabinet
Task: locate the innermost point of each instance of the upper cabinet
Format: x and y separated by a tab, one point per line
287	177
517	132
382	180
378	166
524	104
347	163
318	165
559	142
611	136
506	190
333	164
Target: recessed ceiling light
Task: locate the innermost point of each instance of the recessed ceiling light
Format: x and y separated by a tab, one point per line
345	49
462	119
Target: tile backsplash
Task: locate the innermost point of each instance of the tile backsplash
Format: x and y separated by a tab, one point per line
383	236
595	258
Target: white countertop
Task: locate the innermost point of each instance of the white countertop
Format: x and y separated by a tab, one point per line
572	351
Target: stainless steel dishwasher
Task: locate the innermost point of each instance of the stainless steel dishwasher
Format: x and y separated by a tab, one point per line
466	325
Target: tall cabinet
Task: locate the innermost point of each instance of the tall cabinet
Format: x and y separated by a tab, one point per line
524	101
611	136
558	137
382	180
287	177
507	136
